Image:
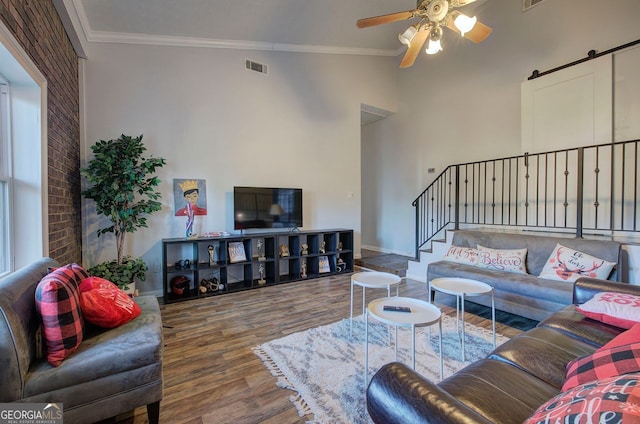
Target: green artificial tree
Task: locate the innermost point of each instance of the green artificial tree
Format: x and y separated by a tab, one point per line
122	184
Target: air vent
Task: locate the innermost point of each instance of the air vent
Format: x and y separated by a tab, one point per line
255	66
528	4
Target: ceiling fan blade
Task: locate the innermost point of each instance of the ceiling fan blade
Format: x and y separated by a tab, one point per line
477	34
414	49
385	19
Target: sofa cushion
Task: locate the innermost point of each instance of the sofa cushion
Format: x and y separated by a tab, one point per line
465	255
104	353
619	309
58	304
610	400
507	260
576	325
487	386
566	264
104	304
601	364
543	352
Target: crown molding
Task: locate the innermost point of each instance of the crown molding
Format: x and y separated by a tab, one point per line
147	39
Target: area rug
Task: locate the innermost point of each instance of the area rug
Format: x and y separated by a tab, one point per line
324	366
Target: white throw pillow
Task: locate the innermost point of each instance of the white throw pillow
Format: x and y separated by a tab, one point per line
509	260
464	255
566	264
618	309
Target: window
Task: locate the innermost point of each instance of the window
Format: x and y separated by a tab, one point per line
5	179
23	171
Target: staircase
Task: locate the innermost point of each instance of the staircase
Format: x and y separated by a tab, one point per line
589	192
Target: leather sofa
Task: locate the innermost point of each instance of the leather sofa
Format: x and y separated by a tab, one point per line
509	384
526	295
112	372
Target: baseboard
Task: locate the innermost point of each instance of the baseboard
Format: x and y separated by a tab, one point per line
383	250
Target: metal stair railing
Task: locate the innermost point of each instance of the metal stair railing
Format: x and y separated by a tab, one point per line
593	188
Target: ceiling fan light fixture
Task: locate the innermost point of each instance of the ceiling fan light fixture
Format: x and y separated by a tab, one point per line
464	23
434	46
407	36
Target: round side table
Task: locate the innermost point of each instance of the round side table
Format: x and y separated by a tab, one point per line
372	280
461	288
423	314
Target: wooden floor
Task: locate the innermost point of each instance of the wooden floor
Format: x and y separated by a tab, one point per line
211	374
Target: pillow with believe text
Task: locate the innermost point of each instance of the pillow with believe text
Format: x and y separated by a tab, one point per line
508	260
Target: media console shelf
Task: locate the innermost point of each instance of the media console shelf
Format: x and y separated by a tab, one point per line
269	258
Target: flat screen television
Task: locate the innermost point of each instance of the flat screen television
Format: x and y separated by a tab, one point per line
263	207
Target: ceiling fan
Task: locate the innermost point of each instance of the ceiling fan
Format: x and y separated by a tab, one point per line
433	14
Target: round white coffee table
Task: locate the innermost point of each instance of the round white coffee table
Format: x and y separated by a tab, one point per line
461	288
372	280
423	314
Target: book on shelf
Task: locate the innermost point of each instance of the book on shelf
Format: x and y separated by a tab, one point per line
236	252
323	265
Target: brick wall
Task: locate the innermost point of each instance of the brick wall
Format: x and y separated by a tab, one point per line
36	25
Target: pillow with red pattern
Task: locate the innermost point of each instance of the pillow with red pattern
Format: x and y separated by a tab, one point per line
610	400
566	264
617	309
603	364
58	304
509	260
105	305
627	337
465	255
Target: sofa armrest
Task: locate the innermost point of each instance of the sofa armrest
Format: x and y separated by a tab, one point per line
398	394
586	287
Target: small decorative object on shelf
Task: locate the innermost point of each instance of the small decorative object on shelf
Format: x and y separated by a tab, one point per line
180	285
182	264
212	251
323	265
339	248
209	285
341	265
284	250
260	246
236	252
304	250
303	269
323	247
261	281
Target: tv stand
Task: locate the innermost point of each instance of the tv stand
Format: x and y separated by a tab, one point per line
282	257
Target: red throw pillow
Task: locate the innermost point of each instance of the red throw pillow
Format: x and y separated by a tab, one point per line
603	364
105	305
629	336
618	309
613	399
58	303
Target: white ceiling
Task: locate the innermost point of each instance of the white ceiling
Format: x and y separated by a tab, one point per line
301	25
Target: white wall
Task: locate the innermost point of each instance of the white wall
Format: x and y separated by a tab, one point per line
210	118
463	104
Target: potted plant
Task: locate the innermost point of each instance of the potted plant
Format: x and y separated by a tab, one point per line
122	184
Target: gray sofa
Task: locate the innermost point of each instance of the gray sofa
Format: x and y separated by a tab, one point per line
524	294
112	372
